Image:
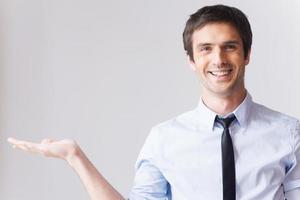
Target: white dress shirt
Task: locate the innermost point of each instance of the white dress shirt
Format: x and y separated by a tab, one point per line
181	158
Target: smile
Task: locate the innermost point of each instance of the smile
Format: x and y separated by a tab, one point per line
220	73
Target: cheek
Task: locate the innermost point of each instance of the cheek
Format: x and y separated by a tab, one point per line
238	63
238	59
201	64
202	75
200	70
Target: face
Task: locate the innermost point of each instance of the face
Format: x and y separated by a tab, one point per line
219	59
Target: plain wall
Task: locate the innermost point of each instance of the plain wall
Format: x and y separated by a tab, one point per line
105	72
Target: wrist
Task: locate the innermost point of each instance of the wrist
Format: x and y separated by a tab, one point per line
74	154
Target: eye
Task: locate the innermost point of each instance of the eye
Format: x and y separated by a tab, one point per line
205	48
230	47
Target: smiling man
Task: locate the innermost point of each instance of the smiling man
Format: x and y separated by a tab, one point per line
218	58
228	147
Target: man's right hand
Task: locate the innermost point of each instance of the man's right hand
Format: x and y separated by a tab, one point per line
63	149
69	150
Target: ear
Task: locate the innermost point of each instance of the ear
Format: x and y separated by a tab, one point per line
191	63
247	60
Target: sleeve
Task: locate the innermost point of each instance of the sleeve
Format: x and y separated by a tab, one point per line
149	182
292	179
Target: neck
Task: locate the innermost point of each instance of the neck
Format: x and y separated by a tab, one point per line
223	104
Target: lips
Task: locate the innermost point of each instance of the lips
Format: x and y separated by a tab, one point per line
220	73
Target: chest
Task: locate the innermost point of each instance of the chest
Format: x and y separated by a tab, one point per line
194	160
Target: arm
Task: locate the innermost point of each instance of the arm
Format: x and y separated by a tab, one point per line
293	194
69	150
291	183
150	182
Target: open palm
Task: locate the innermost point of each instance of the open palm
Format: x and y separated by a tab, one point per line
48	147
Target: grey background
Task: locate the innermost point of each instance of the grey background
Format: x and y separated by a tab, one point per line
105	72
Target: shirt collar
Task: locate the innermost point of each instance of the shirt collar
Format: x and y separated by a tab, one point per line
207	116
242	112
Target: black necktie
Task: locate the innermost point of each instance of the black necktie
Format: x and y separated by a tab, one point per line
228	165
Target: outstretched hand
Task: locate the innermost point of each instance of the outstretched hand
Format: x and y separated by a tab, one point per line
63	149
69	150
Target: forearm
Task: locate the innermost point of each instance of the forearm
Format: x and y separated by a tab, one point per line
96	185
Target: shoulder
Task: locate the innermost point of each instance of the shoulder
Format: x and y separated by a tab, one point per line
264	114
164	132
186	121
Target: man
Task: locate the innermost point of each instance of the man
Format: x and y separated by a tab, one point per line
227	148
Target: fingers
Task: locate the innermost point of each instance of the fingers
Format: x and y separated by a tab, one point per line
47	141
11	140
25	146
16	142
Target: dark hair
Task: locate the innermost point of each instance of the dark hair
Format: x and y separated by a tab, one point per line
217	13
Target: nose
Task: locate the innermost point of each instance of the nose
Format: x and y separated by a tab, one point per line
219	58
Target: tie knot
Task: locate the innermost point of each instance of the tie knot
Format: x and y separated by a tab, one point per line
225	122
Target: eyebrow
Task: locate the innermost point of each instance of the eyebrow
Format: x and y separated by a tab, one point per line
235	42
231	42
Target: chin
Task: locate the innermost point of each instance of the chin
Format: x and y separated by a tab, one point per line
224	92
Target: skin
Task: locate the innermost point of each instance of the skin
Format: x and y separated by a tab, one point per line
219	62
96	185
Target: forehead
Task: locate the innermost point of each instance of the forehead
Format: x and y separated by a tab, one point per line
216	33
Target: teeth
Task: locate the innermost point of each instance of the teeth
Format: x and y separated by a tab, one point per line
220	73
